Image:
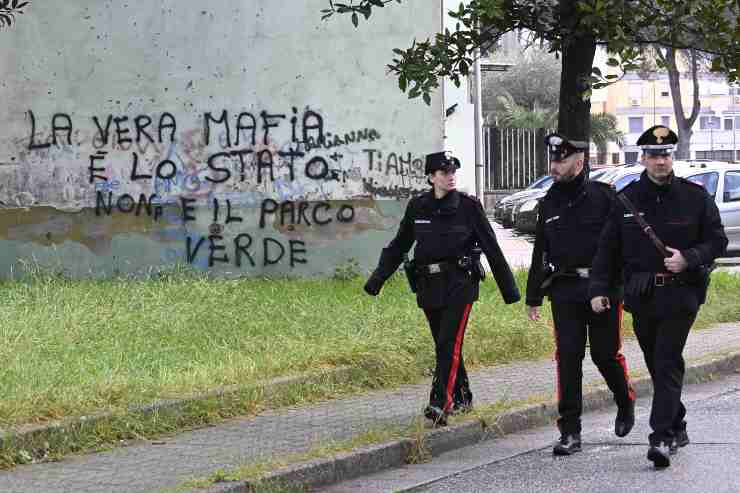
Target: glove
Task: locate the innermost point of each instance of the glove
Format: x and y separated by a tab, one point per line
373	285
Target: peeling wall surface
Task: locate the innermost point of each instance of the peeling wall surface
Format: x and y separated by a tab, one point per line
243	137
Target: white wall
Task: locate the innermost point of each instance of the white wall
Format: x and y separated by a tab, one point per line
460	125
255	58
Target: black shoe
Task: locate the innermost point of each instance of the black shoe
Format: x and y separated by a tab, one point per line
568	444
436	415
625	420
680	439
659	454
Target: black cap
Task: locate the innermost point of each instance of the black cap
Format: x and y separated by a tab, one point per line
658	141
440	160
560	147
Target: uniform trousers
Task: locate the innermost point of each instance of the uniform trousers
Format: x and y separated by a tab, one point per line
662	340
574	321
450	385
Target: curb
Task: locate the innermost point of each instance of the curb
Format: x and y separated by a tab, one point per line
364	461
27	436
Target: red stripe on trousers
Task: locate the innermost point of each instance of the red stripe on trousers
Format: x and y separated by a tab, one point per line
620	356
452	377
557	361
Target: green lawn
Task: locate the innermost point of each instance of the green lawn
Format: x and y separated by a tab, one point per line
72	348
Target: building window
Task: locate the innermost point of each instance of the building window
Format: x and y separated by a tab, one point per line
635	124
709	122
717	155
728	123
664	94
630	157
665	121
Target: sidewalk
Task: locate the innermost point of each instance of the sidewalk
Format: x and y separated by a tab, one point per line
155	466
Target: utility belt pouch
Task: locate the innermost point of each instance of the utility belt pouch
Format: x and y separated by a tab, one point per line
639	284
409	267
477	265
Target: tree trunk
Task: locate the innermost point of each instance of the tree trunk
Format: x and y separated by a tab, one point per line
574	117
684	124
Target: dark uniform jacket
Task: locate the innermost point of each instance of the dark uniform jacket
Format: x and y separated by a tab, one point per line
569	224
685	217
444	230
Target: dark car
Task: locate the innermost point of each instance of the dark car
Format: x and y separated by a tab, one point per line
525	215
504	207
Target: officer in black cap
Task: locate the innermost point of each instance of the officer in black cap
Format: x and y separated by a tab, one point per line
571	217
447	226
665	237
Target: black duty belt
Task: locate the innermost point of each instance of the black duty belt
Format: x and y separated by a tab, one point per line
439	267
666	279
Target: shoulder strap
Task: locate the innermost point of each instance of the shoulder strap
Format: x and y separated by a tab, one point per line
646	228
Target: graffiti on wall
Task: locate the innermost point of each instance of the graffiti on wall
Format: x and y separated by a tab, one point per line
268	181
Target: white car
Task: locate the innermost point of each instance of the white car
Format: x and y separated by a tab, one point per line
722	181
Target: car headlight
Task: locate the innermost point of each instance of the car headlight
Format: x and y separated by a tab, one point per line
529	205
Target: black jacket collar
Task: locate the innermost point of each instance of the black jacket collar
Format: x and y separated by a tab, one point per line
446	205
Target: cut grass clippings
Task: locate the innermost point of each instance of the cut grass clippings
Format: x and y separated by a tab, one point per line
73	348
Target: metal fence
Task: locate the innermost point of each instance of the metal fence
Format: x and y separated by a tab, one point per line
514	157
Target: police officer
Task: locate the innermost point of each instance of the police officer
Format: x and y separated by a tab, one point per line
666	271
446	226
570	219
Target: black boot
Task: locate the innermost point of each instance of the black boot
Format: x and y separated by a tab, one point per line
568	444
680	439
659	454
436	415
625	419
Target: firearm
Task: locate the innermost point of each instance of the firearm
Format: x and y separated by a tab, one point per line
409	267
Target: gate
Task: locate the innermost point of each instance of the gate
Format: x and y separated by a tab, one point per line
514	157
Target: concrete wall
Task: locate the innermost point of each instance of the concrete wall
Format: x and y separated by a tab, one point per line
460	124
241	136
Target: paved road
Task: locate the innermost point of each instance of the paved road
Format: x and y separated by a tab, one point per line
524	462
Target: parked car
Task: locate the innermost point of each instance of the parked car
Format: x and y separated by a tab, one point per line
722	181
525	213
503	208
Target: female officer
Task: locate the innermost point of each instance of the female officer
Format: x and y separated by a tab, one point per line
446	225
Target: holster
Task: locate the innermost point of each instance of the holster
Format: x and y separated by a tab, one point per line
551	276
639	284
477	264
409	267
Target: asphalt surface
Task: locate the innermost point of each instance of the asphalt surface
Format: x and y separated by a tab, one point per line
524	462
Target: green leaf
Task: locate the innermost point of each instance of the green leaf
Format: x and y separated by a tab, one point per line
402	83
427	99
355	19
596	71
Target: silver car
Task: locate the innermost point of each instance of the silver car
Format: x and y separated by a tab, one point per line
722	181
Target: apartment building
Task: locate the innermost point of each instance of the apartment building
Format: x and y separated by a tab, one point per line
641	102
